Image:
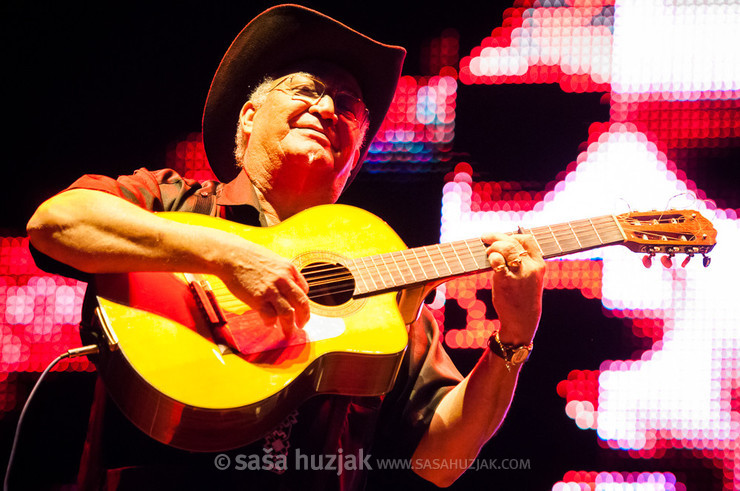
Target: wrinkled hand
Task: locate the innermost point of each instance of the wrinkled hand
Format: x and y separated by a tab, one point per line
518	279
271	285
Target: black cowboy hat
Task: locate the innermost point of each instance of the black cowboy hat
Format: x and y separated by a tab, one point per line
280	37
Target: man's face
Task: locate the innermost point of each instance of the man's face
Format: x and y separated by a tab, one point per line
296	146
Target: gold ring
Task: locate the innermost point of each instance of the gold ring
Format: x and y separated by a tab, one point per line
515	263
523	253
499	269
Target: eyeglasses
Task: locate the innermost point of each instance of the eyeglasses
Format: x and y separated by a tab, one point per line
310	90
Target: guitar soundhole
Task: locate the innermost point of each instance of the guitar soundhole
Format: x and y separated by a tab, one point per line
329	284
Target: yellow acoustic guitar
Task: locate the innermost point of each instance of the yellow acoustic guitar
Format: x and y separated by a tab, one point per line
169	353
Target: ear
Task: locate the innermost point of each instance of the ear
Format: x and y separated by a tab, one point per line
352	162
355	159
246	118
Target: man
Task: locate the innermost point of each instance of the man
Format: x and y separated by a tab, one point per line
319	92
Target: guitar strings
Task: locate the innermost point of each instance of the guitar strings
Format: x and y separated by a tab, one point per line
331	279
325	278
415	265
328	279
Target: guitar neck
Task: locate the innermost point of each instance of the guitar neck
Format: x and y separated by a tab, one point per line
419	265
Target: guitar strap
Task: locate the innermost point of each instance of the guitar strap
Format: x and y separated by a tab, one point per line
334	419
204	203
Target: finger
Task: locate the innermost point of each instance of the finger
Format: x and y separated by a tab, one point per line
492	237
530	245
285	315
287	323
297	300
268	315
527	241
510	249
497	262
516	263
299	279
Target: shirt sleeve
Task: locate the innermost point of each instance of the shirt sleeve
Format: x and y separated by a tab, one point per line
426	375
160	190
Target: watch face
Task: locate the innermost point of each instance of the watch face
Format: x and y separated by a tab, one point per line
520	355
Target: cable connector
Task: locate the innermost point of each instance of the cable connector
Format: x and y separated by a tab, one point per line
90	349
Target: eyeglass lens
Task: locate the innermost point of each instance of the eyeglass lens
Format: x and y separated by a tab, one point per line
312	90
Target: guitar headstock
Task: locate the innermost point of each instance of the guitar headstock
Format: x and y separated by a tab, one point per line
668	232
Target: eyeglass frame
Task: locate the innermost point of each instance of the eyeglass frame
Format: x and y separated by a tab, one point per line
313	100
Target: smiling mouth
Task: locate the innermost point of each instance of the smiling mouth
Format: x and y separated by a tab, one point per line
314	131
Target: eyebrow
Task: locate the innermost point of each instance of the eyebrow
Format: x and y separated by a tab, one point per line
342	87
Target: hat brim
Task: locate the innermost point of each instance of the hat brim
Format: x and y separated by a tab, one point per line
278	38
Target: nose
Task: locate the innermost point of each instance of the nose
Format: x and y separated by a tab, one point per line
325	108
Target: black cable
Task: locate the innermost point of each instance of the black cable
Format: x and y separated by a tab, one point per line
73	353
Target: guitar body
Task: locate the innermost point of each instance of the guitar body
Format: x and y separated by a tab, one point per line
175	380
195	368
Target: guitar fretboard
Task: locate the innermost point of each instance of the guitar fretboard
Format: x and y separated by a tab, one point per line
396	270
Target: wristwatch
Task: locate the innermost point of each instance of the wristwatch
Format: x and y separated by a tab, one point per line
512	354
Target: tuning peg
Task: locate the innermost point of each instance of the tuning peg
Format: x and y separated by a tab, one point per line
667	261
686	260
706	260
647	260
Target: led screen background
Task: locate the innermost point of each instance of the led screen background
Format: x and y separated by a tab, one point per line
638	389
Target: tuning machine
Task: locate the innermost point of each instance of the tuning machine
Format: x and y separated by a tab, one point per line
706	260
667	260
647	260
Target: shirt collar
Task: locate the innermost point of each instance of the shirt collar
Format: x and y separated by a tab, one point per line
240	192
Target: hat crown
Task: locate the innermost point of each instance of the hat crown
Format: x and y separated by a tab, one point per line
281	37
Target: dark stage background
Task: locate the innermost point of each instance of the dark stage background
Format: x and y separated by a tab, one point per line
94	87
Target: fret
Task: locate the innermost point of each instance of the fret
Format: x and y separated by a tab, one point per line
584	233
552	242
444	260
411	270
393	271
418	261
554	237
456	255
397	269
565	238
372	278
426	251
606	230
467	246
399	278
357	273
476	256
530	232
547	241
464	256
471	258
595	231
618	229
575	235
380	275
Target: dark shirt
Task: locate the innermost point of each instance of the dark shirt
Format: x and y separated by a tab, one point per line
119	456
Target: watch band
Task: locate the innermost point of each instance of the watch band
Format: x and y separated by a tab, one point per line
512	354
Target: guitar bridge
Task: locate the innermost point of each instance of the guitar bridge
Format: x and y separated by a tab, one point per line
206	299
